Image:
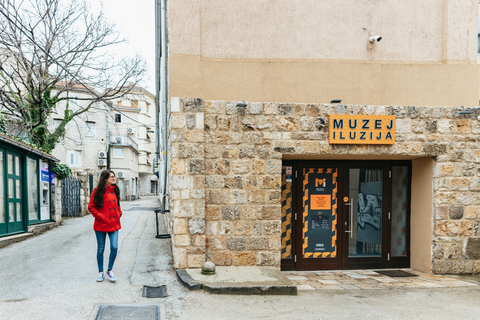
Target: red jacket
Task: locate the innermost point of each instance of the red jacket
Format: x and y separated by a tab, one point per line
107	218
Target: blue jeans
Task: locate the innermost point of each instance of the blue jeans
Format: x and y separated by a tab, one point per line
101	236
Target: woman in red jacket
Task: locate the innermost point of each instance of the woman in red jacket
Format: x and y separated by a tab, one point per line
104	205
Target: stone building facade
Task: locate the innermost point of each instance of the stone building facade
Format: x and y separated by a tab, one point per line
226	174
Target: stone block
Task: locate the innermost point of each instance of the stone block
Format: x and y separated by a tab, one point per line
196	136
455	212
452	251
462	126
307	123
437	251
257	243
243	228
221	167
180	257
272	212
467	198
442	266
244	259
472	212
285	109
299	109
472	249
247	152
240	166
214	182
274	166
238	197
444	169
264	123
235	182
195	260
223	123
178	166
466	228
445	126
398	111
192	105
286	124
272	182
216	197
226	228
211	228
222	258
180	226
312	110
256	196
272	227
235	138
183	208
253	138
200	241
269	258
236	243
230	151
264	151
257	228
186	150
197	194
185	194
215	107
412	112
255	108
441	212
213	213
216	243
210	122
251	212
196	225
258	166
178	121
182	240
274	242
196	166
230	212
273	196
251	182
190	121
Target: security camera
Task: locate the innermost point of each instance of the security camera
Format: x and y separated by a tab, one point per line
375	38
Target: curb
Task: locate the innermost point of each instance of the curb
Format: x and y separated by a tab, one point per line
188	281
192	285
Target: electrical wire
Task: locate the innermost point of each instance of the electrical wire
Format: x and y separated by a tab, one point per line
61	66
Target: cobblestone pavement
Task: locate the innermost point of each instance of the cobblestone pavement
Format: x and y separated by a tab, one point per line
370	280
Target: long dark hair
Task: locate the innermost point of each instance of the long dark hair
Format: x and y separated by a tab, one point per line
102	187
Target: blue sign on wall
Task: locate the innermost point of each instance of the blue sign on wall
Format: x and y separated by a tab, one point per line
45	175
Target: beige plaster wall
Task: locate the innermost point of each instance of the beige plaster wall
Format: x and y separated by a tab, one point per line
421	214
315	51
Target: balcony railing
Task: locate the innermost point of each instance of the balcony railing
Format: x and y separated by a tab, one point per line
123	141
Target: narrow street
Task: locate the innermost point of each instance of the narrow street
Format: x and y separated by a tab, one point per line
52	276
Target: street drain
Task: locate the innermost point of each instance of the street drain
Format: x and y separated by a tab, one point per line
128	312
154	292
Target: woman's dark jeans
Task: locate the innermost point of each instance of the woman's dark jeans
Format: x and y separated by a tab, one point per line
101	237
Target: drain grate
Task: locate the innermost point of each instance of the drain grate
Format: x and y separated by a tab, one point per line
395	273
128	312
154	292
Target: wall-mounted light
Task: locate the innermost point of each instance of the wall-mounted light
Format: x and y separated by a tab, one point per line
336	101
241	104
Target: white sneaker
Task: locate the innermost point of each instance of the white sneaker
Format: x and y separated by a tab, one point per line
111	276
100	277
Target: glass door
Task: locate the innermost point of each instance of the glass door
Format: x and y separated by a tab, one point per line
14	193
3	212
366	204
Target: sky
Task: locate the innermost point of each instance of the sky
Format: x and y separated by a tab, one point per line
136	22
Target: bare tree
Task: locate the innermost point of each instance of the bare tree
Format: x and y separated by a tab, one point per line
49	48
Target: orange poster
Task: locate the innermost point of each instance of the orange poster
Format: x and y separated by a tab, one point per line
321	202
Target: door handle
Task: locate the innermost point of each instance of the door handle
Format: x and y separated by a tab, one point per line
351	217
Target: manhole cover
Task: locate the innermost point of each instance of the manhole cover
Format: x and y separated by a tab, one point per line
154	292
128	312
395	273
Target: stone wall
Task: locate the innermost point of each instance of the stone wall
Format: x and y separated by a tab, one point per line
226	172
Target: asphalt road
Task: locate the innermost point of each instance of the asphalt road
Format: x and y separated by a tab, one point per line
52	276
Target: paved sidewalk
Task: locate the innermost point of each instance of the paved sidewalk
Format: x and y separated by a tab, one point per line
371	280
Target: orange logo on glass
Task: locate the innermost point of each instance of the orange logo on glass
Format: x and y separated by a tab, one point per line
321	201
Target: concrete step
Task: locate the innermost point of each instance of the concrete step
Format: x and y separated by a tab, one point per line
8	240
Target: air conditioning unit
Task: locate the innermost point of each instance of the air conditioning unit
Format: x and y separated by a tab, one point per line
120	174
131	131
102	155
102	162
118	140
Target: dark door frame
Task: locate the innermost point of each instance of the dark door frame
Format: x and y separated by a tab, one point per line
342	261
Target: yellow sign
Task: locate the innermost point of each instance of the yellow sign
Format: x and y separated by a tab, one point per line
361	129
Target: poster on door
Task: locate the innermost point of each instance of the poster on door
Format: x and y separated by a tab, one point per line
320	212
